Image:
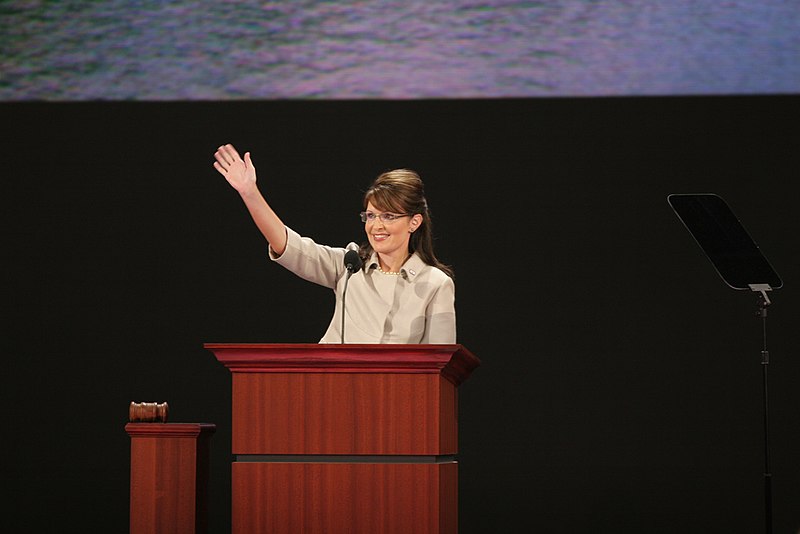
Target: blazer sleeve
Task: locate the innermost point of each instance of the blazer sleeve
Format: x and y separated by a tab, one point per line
320	264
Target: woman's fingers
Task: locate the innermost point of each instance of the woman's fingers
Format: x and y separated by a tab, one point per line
231	152
220	168
222	158
226	155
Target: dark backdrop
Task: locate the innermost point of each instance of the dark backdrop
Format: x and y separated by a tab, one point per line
620	389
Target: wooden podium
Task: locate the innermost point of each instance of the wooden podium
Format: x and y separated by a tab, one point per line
330	438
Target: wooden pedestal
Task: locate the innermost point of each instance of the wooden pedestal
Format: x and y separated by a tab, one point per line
169	477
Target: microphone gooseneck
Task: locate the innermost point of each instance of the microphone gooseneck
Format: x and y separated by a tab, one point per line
352	262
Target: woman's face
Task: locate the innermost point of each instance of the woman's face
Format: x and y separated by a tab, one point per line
390	238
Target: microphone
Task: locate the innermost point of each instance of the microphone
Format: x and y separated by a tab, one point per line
352	262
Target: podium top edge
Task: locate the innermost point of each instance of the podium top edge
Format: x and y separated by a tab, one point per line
452	360
338	348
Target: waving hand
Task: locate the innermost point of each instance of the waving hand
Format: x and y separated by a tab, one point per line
240	173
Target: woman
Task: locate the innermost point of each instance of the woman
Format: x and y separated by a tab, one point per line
402	294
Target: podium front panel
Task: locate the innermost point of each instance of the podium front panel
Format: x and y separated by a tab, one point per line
338	498
344	413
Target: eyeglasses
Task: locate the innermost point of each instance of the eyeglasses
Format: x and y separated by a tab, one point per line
386	218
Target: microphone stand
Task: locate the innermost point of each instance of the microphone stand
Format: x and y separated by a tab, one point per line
763	303
344	296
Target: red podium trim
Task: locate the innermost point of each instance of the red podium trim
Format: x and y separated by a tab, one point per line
454	362
176	430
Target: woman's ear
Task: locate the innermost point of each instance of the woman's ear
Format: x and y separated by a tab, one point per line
416	221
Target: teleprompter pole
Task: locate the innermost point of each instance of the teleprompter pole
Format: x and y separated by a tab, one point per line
763	303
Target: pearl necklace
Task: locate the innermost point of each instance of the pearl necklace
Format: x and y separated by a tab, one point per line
392	272
388	272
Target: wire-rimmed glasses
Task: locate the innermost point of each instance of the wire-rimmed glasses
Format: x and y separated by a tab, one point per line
386	218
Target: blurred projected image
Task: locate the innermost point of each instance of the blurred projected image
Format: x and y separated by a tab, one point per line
244	49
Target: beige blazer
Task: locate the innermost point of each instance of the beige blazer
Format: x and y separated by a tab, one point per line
416	306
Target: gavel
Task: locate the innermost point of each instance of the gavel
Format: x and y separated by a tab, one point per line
148	412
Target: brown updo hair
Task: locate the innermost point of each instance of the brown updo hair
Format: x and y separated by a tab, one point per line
402	191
